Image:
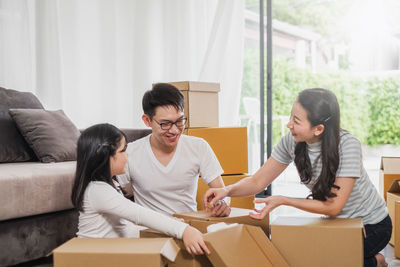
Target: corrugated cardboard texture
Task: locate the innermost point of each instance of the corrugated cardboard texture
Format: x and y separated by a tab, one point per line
229	145
390	171
237	215
201	103
393	195
305	242
79	252
397	230
237	202
242	245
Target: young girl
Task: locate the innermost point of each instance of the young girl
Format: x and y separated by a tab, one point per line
328	160
103	208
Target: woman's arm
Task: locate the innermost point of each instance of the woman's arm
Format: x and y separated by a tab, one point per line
332	206
247	186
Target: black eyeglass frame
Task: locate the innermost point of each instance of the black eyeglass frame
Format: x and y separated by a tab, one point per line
180	124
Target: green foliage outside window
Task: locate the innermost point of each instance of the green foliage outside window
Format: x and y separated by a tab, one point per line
369	105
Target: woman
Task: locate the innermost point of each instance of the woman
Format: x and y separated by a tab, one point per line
329	162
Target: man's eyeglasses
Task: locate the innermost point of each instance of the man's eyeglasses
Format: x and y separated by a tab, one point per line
180	123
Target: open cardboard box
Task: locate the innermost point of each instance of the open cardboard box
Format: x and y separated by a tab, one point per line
390	171
105	252
305	242
201	219
393	195
240	245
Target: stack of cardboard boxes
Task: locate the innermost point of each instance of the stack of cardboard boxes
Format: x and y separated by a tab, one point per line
389	184
228	143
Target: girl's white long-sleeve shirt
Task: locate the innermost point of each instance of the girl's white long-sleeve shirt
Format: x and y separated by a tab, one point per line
107	214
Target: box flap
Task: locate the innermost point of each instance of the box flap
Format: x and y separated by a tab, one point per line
395	187
170	250
206	216
196	86
242	245
390	165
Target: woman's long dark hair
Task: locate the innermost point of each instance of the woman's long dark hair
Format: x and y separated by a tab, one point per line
95	146
322	108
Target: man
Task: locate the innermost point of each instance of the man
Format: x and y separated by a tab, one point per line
164	167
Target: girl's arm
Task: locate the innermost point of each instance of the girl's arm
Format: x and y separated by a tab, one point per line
332	206
247	186
105	199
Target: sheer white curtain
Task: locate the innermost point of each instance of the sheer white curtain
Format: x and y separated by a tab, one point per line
95	59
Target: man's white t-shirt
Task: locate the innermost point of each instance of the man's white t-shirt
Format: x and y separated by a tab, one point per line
170	189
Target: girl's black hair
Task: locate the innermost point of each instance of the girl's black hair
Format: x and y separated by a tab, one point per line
322	108
95	146
162	94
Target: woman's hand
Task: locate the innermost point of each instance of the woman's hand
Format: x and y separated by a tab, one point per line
193	240
271	203
213	196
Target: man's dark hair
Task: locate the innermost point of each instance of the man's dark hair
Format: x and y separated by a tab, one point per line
162	94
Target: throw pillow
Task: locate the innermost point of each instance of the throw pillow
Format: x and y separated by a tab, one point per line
13	147
51	134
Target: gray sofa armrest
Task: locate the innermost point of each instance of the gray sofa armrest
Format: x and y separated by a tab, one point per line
134	134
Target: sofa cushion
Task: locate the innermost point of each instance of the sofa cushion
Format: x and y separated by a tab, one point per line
51	135
30	188
13	147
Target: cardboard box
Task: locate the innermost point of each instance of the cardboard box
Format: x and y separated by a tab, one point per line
241	245
393	195
201	103
99	252
397	230
201	219
390	171
319	241
183	259
238	202
229	145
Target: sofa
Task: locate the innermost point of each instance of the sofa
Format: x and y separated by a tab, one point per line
36	213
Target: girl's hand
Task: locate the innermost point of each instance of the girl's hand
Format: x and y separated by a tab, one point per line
271	203
213	196
193	240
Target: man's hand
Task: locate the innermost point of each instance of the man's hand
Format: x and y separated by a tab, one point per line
222	209
213	196
127	189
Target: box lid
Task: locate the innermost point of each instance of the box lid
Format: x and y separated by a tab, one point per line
395	187
390	165
247	246
196	86
206	216
318	222
151	246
